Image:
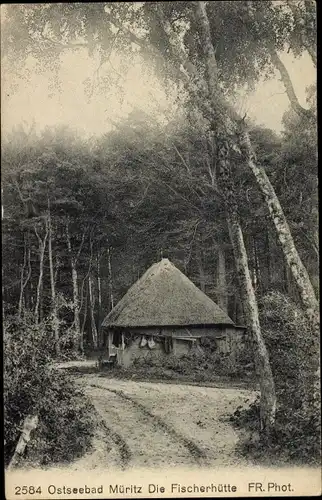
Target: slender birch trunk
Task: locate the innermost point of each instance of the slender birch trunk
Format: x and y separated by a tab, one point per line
84	315
54	312
256	265
267	283
292	258
78	334
267	386
99	298
262	363
24	280
92	306
42	248
222	295
110	277
202	278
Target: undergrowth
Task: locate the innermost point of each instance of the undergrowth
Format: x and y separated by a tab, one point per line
195	366
33	387
293	351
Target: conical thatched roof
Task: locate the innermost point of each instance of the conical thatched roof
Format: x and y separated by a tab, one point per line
164	296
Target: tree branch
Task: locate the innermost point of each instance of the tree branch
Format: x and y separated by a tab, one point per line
182	159
62	45
288	85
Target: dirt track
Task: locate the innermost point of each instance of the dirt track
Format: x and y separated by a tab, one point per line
156	425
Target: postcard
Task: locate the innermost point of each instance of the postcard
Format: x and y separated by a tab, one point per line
160	243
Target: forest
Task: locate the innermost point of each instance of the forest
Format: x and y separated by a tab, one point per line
232	204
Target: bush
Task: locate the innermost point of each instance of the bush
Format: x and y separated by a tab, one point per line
292	346
293	352
33	386
196	366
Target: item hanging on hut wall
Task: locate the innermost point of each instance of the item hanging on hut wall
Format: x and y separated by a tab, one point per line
168	346
151	343
128	339
143	341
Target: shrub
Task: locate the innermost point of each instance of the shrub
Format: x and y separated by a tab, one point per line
293	352
33	386
195	366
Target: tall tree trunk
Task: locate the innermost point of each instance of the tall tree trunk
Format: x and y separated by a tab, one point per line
256	264
99	299
110	277
267	386
24	280
222	295
85	281
78	342
267	272
31	296
54	312
41	302
202	278
42	247
249	245
84	315
262	363
298	270
92	306
78	334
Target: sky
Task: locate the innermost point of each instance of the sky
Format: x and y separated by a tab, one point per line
33	100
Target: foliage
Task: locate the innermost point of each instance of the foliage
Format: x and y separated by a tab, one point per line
294	359
293	347
243	34
33	386
197	367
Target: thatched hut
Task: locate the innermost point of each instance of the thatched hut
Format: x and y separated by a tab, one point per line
162	313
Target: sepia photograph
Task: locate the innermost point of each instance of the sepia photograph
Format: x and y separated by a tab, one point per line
160	249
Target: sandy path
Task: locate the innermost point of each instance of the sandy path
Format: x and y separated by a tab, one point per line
146	442
156	425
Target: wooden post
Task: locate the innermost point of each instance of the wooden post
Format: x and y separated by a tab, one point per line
174	346
110	341
30	423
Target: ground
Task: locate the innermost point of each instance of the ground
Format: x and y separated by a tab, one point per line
154	425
